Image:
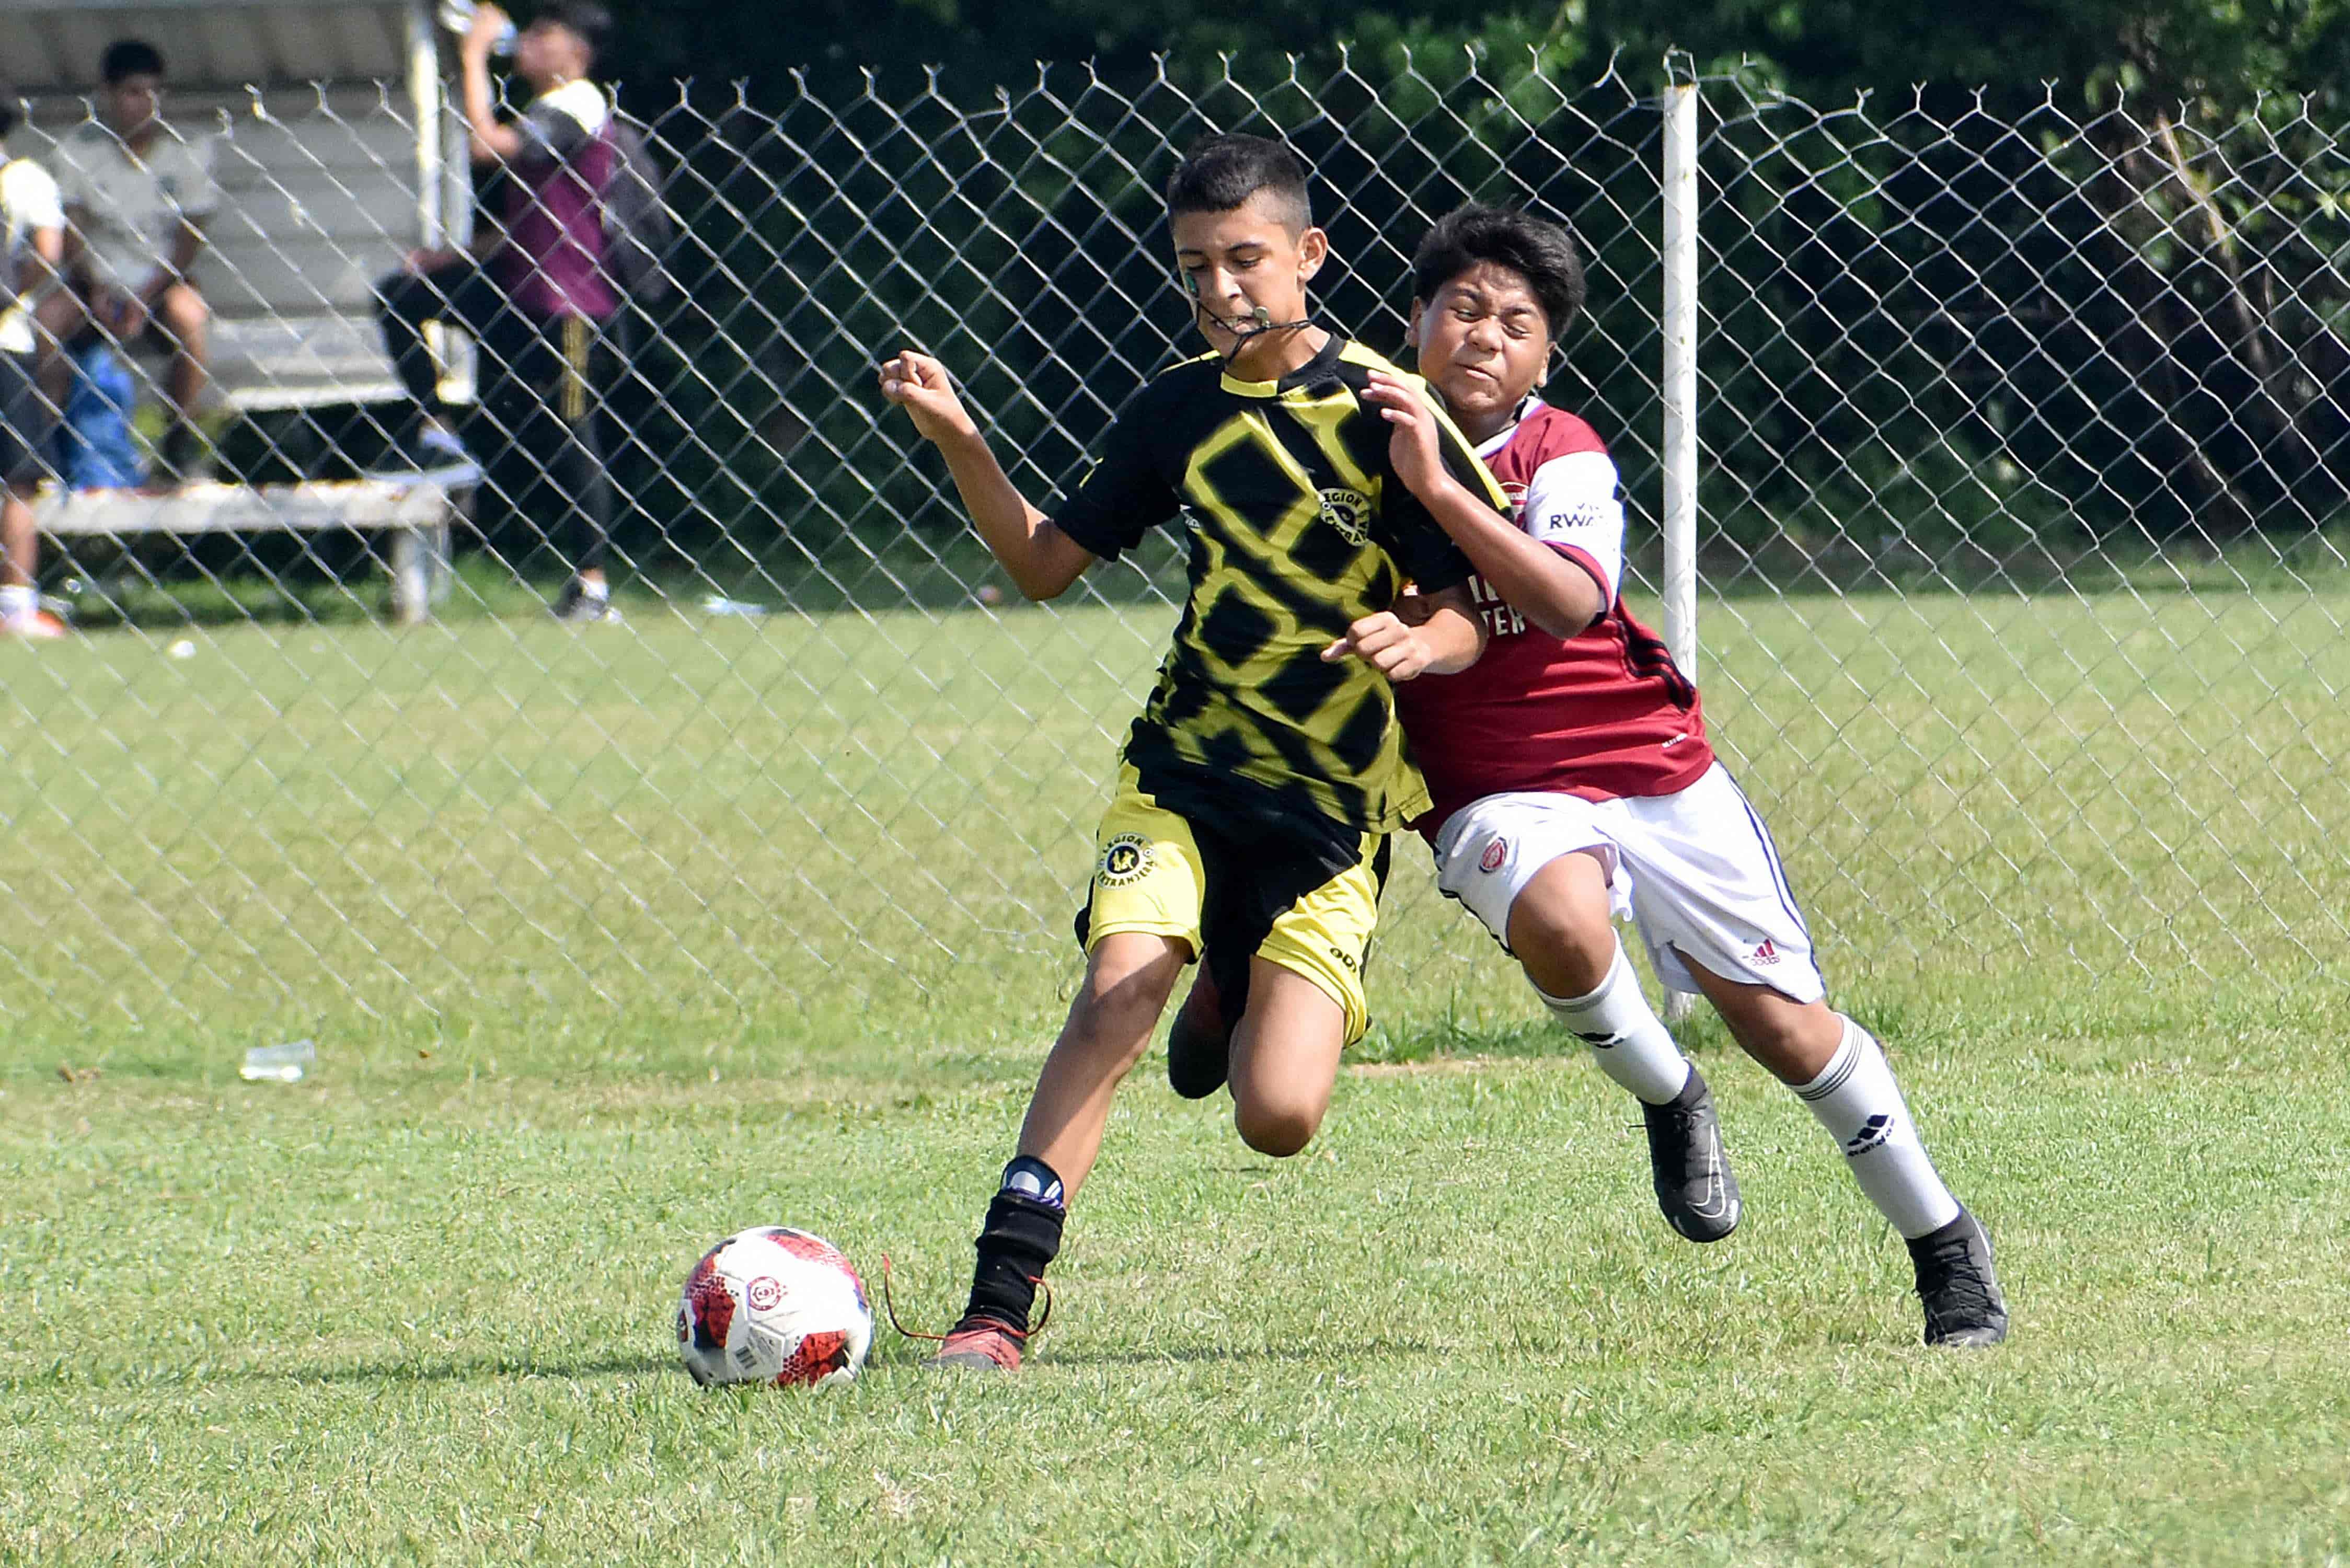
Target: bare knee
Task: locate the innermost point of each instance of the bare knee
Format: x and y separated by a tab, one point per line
1114	1025
1275	1128
184	315
1284	1059
1785	1034
182	306
1559	926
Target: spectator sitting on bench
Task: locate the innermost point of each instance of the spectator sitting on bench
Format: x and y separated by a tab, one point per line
543	307
136	196
35	221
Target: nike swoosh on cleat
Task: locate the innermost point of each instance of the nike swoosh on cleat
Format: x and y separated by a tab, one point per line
1718	1200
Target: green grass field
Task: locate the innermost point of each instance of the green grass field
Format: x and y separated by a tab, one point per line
612	944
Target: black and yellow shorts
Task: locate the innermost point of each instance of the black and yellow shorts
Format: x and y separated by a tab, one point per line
1159	872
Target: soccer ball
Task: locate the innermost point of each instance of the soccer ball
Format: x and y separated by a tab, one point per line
773	1304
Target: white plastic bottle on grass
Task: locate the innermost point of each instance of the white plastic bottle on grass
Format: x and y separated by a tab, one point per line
279	1063
719	604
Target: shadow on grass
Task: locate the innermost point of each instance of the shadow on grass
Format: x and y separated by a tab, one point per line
897	1349
1228	1354
1458	1035
472	1369
910	1354
418	1371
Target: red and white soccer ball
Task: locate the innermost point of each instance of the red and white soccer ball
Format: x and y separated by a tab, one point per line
773	1304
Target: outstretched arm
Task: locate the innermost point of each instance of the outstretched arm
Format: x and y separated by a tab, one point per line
1547	588
1043	560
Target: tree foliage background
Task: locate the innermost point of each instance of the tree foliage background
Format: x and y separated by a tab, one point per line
2218	52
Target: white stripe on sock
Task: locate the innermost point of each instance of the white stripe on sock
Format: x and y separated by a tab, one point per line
1628	1040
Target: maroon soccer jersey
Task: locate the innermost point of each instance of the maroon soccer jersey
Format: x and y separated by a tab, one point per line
1599	715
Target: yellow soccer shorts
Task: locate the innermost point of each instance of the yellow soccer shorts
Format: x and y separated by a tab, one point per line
1156	872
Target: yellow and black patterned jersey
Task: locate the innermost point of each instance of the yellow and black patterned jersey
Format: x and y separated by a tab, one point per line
1298	528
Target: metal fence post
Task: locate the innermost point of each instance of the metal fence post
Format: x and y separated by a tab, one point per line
1677	381
1677	378
424	103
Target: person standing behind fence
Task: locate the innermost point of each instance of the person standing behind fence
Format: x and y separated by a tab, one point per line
548	299
35	220
136	197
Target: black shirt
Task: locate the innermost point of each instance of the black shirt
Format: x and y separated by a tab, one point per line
1299	528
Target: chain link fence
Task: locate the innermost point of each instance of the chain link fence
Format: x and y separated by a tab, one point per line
2032	418
2020	606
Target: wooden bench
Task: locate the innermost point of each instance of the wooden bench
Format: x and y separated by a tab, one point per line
412	522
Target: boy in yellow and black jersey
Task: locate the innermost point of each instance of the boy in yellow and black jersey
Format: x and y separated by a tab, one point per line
1298	530
1257	789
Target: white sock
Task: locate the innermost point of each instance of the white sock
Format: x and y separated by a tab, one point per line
1630	1044
17	602
1858	1101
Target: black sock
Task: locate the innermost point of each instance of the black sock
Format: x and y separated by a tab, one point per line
1021	1237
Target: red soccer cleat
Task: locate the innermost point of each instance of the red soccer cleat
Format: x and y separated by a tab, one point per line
981	1344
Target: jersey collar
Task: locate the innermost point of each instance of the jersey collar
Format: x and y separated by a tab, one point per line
1321	368
1525	411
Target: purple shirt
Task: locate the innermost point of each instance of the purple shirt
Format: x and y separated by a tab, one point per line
553	262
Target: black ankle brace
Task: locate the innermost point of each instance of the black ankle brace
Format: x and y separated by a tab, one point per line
1020	1238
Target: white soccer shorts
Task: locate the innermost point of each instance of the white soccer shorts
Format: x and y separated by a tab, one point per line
1696	871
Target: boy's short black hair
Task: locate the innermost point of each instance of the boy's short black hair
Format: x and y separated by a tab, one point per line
1219	173
128	57
7	114
1543	253
592	22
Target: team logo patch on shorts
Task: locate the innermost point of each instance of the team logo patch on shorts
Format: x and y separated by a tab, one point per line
1124	859
1495	853
1349	512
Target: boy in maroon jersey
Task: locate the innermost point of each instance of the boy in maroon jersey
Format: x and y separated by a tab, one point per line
1573	784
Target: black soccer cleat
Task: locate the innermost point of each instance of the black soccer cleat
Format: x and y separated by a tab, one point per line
1695	1188
577	607
1963	1305
1200	1041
